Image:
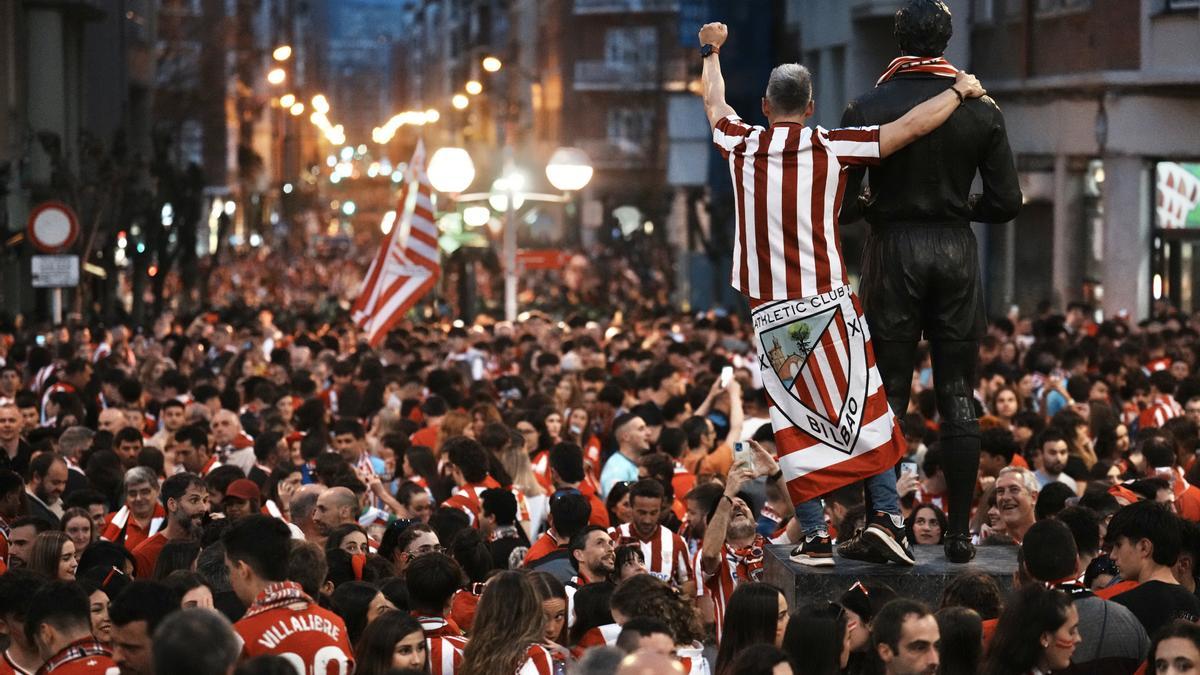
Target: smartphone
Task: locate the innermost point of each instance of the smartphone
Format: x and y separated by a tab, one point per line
740	455
908	467
726	377
41	340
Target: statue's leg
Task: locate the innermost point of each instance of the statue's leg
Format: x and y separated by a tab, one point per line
954	365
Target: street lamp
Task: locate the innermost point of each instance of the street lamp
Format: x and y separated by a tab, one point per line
320	104
512	183
276	76
491	64
569	169
282	53
287	100
297	109
474	87
460	101
451	170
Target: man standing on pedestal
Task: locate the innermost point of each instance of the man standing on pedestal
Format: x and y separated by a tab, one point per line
829	412
920	276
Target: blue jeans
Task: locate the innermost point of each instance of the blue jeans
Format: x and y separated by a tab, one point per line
882	489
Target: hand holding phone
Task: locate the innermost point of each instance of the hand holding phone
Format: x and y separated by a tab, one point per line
726	376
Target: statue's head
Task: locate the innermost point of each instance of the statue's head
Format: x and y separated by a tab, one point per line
923	28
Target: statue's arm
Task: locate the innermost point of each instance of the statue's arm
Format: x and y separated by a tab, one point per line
1001	197
853	203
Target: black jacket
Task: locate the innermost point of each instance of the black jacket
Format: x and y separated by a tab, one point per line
929	181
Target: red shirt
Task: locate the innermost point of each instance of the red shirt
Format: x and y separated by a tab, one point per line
146	555
134	533
305	633
544	546
599	515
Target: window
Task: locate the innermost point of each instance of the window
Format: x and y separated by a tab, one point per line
631	47
1044	7
983	11
629	129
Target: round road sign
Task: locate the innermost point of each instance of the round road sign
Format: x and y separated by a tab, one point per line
52	227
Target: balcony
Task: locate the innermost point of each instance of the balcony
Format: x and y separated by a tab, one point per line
874	9
615	153
603	75
625	6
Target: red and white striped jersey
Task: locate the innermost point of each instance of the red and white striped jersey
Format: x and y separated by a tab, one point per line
740	565
788	183
445	644
538	661
1157	413
665	552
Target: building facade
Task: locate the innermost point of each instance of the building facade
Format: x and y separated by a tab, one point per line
1099	98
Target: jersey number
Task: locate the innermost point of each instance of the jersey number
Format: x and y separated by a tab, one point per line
330	660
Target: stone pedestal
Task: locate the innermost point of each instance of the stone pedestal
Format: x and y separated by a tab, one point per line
924	581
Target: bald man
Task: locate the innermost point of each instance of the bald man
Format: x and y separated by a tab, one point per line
111	420
335	506
230	442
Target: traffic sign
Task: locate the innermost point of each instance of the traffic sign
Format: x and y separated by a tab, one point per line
54	271
52	227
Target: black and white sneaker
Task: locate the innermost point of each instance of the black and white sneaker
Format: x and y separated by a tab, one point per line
814	551
888	539
857	548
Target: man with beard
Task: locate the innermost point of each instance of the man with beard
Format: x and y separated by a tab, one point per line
21	536
192	451
633	441
136	612
1052	449
593	557
1016	495
920	277
47	481
665	552
185	497
732	552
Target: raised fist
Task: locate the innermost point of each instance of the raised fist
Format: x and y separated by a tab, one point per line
714	34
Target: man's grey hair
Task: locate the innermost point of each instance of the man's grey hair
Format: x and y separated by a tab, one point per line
75	440
140	474
1028	480
789	89
176	640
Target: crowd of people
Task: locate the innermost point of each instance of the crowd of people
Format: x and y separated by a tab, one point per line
553	497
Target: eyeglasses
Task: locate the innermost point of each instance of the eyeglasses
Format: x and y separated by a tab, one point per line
426	550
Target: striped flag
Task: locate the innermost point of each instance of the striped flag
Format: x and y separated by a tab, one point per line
407	265
828	408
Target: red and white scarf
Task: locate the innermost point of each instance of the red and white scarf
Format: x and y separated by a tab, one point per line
276	595
936	65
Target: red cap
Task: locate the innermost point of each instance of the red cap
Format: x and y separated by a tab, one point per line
243	488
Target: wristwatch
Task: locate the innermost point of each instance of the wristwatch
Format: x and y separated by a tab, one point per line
708	49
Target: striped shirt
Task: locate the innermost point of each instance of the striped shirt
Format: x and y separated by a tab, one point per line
1157	413
538	661
445	644
741	565
788	183
665	552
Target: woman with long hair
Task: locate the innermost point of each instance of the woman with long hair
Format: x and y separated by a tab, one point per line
567	392
629	561
483	414
817	640
393	641
926	525
358	603
53	556
757	613
761	660
1039	629
77	523
351	538
509	627
961	631
554	606
98	603
420	466
617	502
549	423
517	465
1175	649
1005	404
455	423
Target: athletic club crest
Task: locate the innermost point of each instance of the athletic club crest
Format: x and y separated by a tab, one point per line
812	355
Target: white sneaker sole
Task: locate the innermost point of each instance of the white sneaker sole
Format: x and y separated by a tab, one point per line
881	540
812	562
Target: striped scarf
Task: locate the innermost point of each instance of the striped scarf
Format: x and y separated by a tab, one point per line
918	64
278	594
